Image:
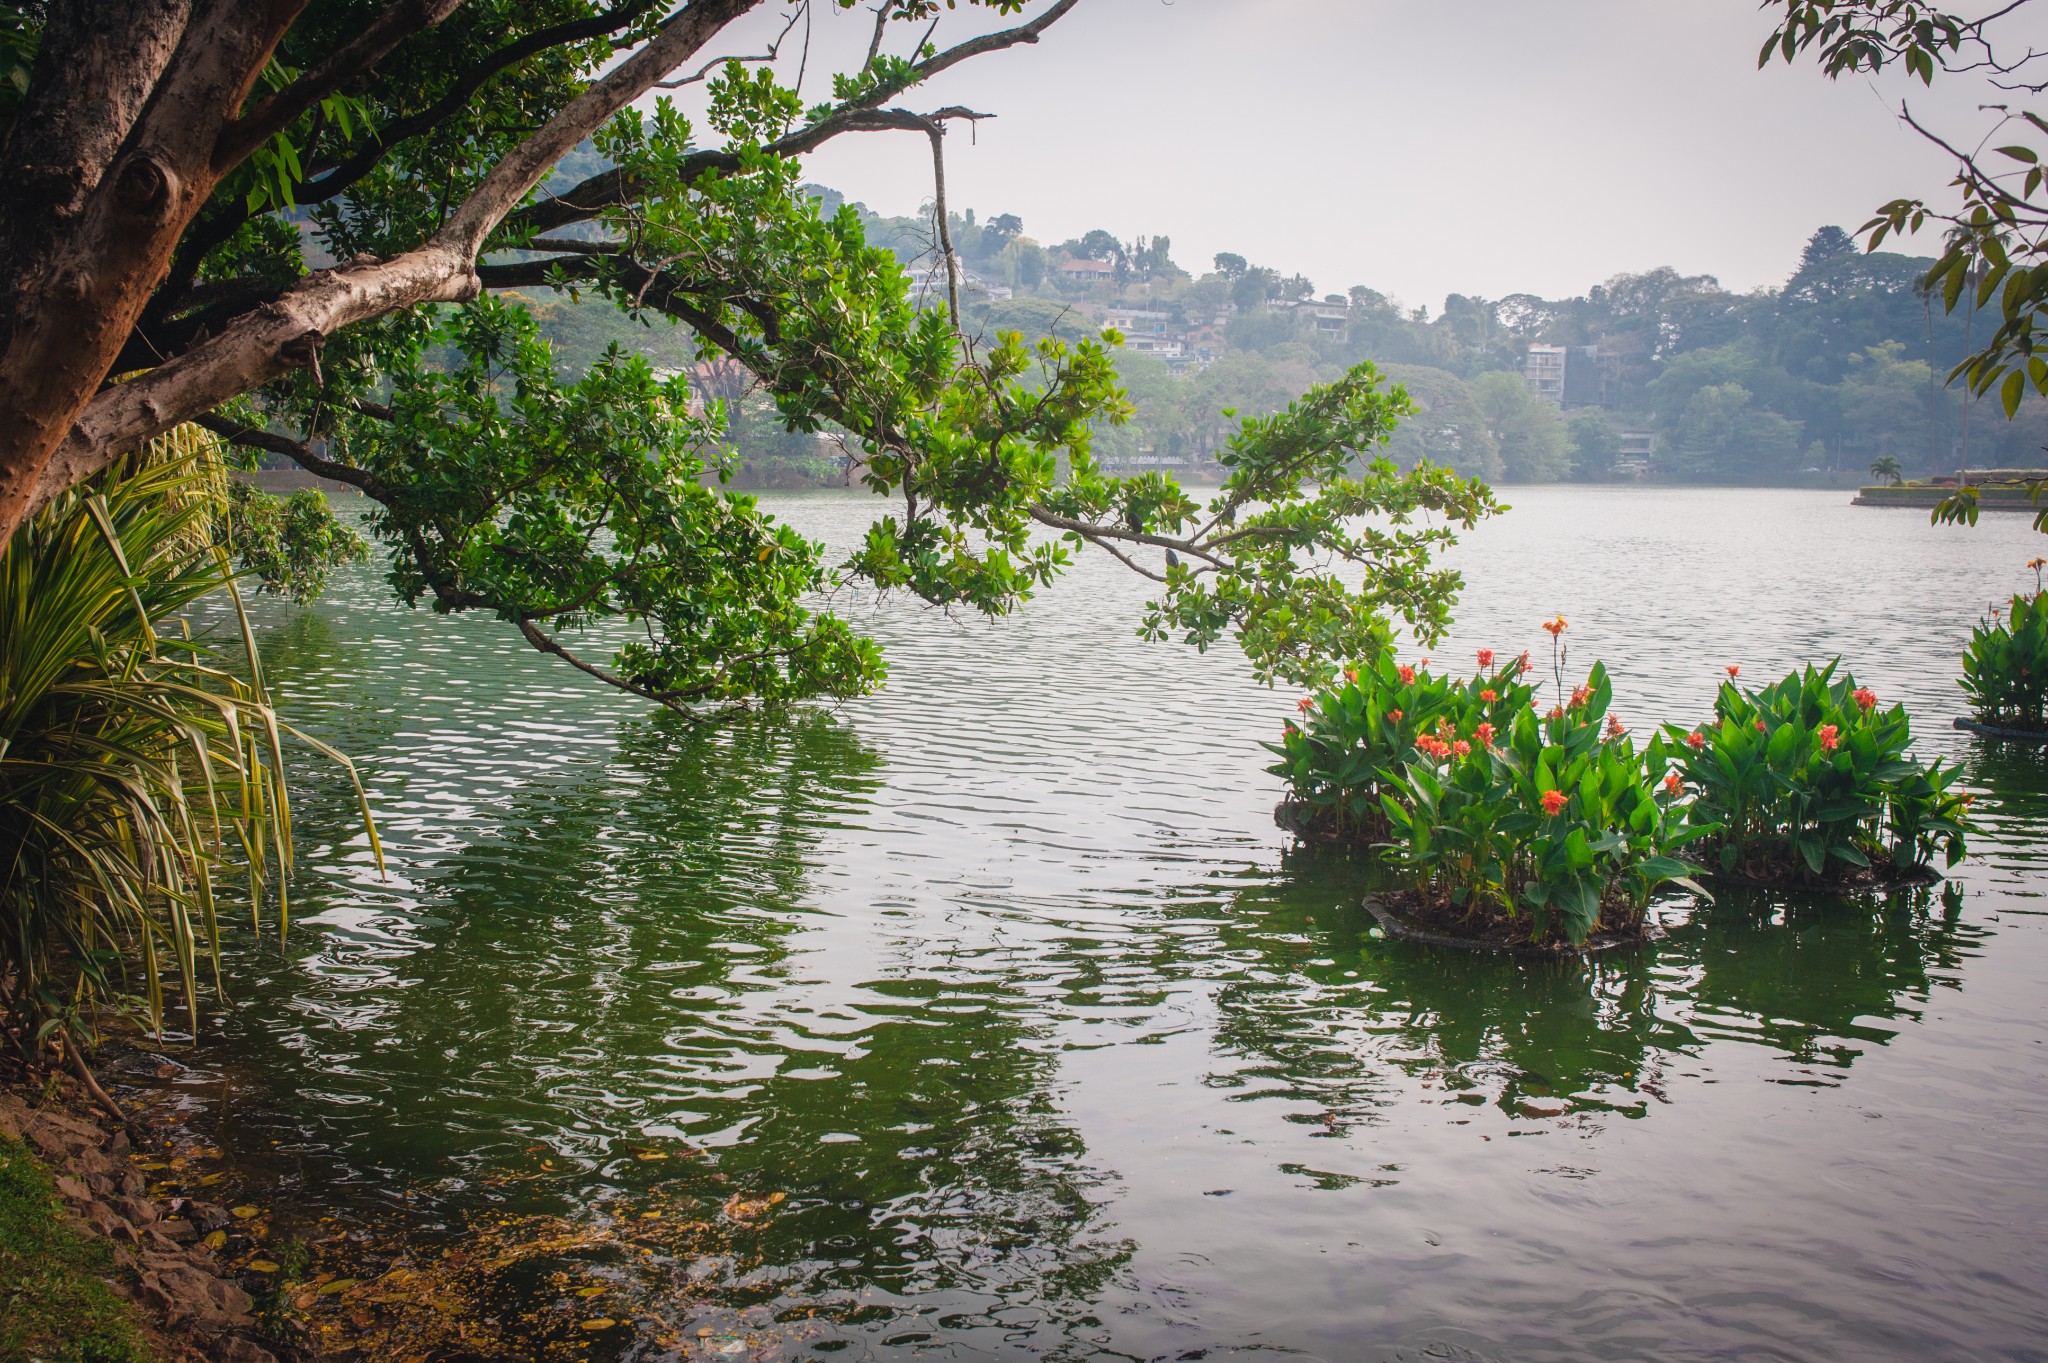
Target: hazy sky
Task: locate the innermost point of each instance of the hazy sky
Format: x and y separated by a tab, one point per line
1417	146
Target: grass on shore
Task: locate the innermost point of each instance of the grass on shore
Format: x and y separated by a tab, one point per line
55	1303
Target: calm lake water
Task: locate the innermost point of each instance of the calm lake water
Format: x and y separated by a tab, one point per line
1054	1046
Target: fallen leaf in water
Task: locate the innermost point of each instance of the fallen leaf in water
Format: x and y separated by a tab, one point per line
592	1291
261	1266
338	1285
650	1154
208	1180
601	1323
215	1239
246	1212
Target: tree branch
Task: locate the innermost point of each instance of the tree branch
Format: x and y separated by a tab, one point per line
299	452
610	188
355	58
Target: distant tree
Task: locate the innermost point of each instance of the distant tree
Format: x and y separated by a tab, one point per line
1029	259
1594	444
1720	436
1887	467
1529	432
1821	274
1255	287
1100	245
1829	243
1231	267
1448	428
998	232
1295	288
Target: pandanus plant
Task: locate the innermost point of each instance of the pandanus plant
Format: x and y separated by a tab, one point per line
134	768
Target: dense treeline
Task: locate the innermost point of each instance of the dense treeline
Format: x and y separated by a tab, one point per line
1843	365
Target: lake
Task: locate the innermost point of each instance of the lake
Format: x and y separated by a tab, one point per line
992	1016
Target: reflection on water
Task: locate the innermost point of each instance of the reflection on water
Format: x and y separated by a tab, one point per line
1052	1047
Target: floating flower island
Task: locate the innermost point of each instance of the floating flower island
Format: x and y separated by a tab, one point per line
1504	824
2005	669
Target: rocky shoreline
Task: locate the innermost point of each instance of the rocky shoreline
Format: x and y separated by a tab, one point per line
164	1250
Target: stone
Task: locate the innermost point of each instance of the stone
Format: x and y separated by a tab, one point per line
104	1220
71	1190
184	1293
132	1183
172	1233
140	1211
209	1216
235	1349
86	1160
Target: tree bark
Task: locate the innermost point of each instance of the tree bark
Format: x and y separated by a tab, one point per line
286	335
78	277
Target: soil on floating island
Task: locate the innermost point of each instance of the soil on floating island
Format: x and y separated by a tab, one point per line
1978	726
1790	872
1316	825
1410	917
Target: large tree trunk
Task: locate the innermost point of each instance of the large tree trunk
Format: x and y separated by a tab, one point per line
114	150
133	118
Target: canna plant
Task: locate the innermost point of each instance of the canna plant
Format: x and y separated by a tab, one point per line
1356	738
1555	830
2005	667
133	769
1810	779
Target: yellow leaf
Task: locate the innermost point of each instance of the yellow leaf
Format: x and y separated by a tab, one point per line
261	1266
592	1291
245	1212
601	1323
215	1239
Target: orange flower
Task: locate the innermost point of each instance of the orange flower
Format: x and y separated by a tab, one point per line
1732	670
1394	715
2037	564
1695	740
1351	674
1305	704
1672	783
1614	727
1484	733
1461	747
1759	726
1293	732
1553	801
1557	712
1864	697
1489	695
1580	695
1486	657
1830	738
1556	627
1407	676
1522	663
